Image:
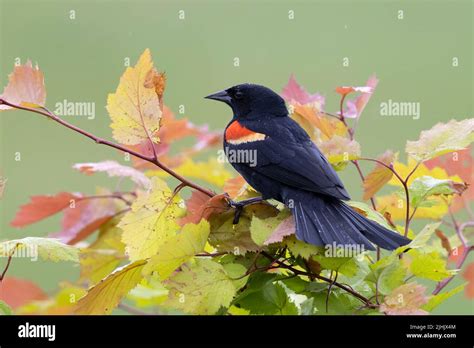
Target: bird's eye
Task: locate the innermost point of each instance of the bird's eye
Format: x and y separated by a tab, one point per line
238	95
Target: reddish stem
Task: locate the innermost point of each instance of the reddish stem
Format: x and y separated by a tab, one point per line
99	140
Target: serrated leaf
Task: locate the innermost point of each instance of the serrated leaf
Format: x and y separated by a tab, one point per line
422	238
429	266
25	85
425	186
442	138
262	229
151	221
106	295
339	150
135	107
391	277
211	171
226	236
115	169
96	264
436	300
271	298
344	265
47	248
407	299
178	249
200	288
300	248
40	207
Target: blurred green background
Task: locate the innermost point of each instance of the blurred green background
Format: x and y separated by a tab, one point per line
83	59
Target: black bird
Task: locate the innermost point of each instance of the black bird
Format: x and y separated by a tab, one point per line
290	168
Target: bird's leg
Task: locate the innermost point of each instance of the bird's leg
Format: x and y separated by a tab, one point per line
239	206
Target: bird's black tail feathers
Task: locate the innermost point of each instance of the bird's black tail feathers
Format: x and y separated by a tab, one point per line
322	220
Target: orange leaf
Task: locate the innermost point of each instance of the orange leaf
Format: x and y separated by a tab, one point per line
379	176
200	206
469	276
86	217
40	207
16	292
25	85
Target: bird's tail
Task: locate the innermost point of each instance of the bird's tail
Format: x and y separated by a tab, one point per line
322	220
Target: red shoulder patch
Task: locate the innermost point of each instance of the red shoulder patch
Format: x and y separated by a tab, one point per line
236	131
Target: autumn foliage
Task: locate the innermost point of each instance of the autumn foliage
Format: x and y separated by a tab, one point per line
169	245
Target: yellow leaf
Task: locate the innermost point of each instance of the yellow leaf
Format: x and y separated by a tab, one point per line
178	249
106	295
395	205
151	221
212	171
134	107
403	170
379	176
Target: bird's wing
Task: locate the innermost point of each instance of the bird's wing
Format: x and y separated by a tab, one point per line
288	156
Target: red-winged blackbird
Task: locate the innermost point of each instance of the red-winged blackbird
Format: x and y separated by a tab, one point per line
287	166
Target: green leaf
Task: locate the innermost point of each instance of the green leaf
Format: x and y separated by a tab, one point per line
300	248
436	300
151	221
271	298
441	139
148	293
202	287
5	309
422	238
106	295
425	186
236	272
51	249
429	266
343	265
391	277
226	236
178	249
262	229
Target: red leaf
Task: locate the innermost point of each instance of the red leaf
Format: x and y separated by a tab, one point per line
16	292
200	206
285	228
25	85
86	217
293	92
458	163
40	207
469	276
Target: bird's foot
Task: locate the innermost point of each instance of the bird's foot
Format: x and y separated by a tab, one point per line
240	205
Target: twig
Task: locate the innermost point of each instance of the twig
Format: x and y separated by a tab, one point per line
98	140
320	277
7	266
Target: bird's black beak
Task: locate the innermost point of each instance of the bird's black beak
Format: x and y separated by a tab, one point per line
222	96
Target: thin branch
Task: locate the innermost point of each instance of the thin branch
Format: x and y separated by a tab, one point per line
9	261
119	147
320	277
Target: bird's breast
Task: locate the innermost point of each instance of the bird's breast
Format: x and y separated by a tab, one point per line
238	134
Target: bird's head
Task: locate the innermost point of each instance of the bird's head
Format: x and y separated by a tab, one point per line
250	101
